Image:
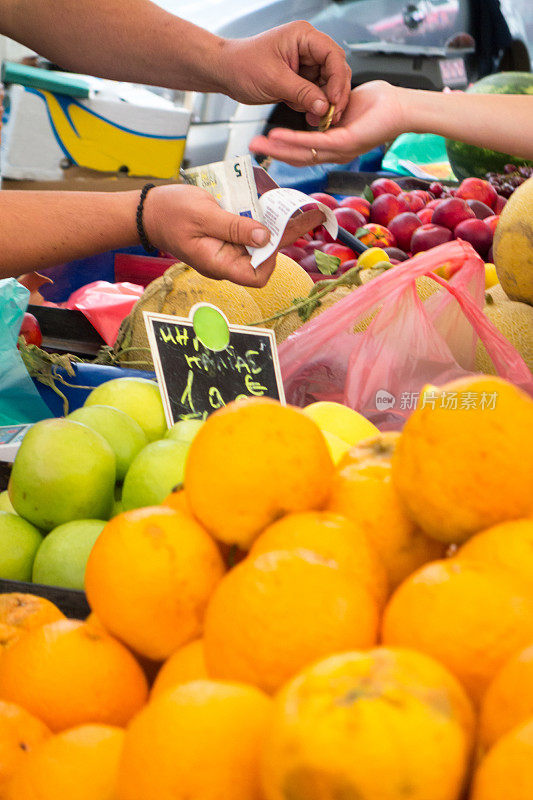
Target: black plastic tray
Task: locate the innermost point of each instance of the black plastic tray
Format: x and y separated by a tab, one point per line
71	602
347	182
67	331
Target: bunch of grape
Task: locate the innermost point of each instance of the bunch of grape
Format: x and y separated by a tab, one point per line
512	177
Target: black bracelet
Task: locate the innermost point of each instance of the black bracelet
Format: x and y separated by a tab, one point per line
139	217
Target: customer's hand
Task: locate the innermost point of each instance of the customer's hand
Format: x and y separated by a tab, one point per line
374	115
294	63
188	222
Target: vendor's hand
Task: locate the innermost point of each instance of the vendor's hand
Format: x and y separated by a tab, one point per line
294	63
188	222
373	116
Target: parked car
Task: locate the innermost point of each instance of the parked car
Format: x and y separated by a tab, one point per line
405	41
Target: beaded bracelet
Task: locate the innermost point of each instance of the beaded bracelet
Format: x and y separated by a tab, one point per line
148	246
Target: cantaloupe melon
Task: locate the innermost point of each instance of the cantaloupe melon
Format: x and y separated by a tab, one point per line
288	282
286	325
513	245
515	321
175	293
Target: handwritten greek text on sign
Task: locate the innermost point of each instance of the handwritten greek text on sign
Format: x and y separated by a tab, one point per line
195	381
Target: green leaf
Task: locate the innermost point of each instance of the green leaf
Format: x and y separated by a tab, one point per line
305	310
361	232
368	194
326	264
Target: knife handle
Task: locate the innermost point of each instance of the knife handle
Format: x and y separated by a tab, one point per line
350	241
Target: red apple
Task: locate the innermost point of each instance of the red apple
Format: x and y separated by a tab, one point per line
428	236
340	251
327	199
423	195
499	205
30	330
384	186
296	253
386	207
477	189
436	188
481	210
451	212
377	236
476	232
433	203
359	203
402	227
491	222
425	215
413	201
350	219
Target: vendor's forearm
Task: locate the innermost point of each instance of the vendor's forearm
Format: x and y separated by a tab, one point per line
499	122
132	40
43	229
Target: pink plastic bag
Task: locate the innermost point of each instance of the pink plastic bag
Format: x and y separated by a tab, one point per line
409	343
105	305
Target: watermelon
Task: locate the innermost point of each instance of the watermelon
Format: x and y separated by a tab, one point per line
469	161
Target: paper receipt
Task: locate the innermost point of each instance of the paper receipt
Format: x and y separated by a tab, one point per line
277	207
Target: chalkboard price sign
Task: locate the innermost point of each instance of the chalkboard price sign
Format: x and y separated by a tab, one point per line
203	366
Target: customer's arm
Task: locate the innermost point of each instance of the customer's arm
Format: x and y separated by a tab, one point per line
378	112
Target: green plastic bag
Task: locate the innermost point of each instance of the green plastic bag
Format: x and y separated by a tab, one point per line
421	154
20	401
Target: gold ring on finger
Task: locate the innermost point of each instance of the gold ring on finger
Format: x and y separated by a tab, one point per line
314	154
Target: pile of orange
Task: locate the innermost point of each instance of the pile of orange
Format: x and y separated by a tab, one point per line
316	632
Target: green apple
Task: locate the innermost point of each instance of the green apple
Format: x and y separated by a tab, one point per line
125	436
185	430
137	397
154	473
62	557
19	542
62	471
5	503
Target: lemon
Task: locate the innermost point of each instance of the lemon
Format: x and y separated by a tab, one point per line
491	276
371	257
341	421
337	447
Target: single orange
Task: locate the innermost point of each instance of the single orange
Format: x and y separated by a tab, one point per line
382	724
506	771
149	577
250	463
464	461
469	615
27	611
508	545
508	702
201	740
178	501
273	614
185	665
78	764
20	733
333	537
68	673
362	490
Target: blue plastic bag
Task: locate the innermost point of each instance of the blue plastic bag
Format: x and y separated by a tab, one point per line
19	399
